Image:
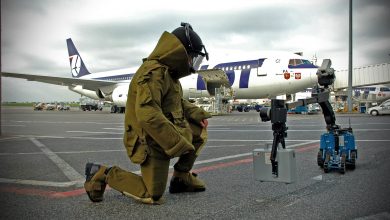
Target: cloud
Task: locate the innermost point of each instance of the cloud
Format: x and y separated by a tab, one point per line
118	35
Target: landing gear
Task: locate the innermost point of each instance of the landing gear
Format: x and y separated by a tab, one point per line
116	109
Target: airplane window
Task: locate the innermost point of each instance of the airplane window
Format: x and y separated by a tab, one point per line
248	66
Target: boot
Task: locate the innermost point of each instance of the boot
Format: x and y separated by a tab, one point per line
148	200
95	182
186	182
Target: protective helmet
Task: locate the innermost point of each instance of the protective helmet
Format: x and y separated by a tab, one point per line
191	41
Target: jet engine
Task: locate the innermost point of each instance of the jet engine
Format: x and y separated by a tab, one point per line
119	95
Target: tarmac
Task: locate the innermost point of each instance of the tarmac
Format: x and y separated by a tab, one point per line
43	155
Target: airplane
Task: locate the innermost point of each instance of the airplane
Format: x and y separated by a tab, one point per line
273	74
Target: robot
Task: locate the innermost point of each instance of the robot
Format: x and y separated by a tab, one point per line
337	146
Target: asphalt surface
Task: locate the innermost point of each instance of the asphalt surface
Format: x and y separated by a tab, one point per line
43	154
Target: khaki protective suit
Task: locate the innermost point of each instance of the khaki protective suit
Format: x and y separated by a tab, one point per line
159	123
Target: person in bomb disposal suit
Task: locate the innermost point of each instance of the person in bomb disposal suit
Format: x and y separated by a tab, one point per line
159	125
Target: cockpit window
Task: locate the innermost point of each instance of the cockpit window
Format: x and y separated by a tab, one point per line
300	63
296	62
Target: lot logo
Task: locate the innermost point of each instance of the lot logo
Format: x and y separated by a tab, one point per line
75	64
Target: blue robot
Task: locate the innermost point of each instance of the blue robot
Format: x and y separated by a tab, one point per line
337	150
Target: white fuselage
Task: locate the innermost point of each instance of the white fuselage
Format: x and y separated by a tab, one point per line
252	79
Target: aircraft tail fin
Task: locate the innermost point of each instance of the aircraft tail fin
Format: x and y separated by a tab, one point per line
77	65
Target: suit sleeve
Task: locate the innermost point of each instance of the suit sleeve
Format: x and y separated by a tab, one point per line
193	113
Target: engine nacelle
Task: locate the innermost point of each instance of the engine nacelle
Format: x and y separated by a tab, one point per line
119	95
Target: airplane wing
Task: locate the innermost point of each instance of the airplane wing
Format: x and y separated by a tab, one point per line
90	84
214	78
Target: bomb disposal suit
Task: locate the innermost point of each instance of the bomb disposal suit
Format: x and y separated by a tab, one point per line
159	125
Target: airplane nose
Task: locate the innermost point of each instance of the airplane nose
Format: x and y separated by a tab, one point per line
313	76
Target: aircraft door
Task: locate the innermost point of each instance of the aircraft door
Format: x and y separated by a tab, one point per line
261	70
269	67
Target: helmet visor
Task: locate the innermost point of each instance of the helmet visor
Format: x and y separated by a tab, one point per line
193	53
196	61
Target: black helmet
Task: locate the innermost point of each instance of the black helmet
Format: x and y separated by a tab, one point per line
191	40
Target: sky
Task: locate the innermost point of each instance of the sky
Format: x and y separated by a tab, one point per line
118	34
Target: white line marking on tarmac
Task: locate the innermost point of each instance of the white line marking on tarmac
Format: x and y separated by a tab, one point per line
69	172
318	178
119	129
68	122
94	132
322	130
292	203
13	125
65	152
61	137
236	140
10	138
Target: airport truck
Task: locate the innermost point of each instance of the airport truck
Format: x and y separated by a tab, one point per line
88	104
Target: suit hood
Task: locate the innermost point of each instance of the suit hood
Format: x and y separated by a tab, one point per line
171	52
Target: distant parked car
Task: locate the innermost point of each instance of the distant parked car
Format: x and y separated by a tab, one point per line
63	107
50	107
39	107
44	106
382	109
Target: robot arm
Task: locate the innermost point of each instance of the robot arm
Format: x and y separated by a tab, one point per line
320	95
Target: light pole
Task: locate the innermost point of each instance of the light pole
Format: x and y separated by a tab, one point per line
350	59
